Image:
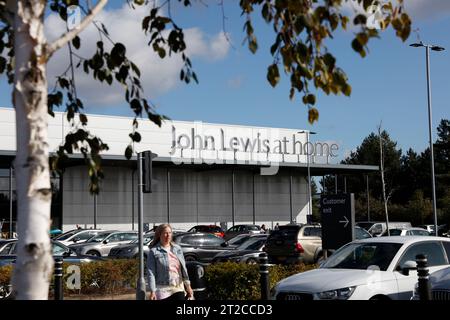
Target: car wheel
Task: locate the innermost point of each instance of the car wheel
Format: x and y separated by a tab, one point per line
252	261
190	258
5	292
93	253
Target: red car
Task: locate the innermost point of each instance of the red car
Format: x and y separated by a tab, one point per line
216	230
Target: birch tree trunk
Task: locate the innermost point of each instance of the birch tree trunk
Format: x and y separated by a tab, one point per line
34	259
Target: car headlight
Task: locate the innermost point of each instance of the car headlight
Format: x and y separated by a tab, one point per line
338	294
129	250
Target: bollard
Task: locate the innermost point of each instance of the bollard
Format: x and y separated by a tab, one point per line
424	289
58	279
264	275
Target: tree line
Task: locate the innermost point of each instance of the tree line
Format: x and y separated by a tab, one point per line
407	178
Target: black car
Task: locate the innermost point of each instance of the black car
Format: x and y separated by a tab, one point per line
247	252
200	247
8	254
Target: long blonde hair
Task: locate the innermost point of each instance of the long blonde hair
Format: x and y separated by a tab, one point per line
159	230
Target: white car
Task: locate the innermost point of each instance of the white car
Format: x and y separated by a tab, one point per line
368	269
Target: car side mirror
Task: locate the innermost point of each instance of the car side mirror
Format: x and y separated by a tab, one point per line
106	241
67	253
407	266
224	244
76	239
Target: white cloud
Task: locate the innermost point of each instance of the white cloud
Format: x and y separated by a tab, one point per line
427	9
124	25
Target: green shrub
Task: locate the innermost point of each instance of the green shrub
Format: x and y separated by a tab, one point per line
237	281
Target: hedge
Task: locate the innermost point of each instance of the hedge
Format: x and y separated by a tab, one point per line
237	281
224	281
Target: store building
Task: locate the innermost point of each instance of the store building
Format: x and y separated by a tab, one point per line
204	174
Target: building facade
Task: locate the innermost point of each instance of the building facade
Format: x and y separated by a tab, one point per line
203	174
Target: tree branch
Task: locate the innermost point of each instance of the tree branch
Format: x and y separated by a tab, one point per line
68	36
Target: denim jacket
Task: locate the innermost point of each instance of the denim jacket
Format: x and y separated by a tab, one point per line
158	266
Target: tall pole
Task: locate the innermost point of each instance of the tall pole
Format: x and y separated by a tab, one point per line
132	200
290	197
10	202
309	176
140	288
232	197
433	184
254	204
95	211
168	194
368	197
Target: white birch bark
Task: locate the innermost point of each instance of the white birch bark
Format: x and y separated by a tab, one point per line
34	259
34	263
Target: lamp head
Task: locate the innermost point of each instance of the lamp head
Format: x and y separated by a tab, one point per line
437	48
416	45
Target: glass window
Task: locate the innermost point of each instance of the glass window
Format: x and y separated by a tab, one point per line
6	249
447	249
212	240
362	255
66	235
99	237
58	250
432	249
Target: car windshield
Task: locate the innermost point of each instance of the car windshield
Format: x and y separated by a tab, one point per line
362	255
392	232
99	237
66	235
252	244
365	225
147	239
238	240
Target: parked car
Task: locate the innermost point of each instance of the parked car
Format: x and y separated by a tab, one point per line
131	250
4	245
406	232
9	254
247	252
103	242
361	233
442	229
295	243
201	247
77	236
376	228
216	230
368	269
241	229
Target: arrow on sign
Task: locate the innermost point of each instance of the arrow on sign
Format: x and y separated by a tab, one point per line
344	221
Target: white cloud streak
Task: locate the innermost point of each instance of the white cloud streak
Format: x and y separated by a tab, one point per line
158	76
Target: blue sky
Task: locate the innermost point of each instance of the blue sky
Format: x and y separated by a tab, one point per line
389	85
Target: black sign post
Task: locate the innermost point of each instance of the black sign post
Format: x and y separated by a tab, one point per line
338	219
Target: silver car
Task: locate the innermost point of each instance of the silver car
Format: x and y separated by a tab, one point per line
102	243
77	236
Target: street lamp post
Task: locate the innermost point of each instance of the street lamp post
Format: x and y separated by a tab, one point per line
309	171
433	184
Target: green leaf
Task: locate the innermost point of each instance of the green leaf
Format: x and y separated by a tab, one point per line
129	152
313	115
83	119
273	75
76	42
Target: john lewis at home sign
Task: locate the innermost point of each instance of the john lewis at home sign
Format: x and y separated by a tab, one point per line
250	140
